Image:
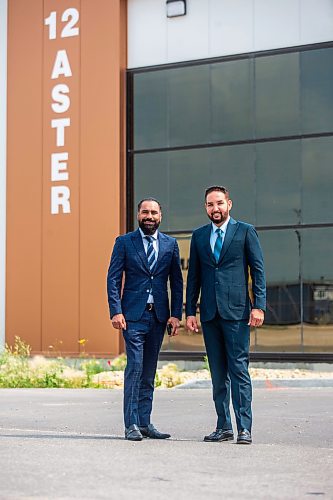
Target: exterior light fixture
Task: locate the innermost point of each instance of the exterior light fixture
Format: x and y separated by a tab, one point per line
176	8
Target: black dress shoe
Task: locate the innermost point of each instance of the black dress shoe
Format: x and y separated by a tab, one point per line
244	437
152	433
220	435
132	433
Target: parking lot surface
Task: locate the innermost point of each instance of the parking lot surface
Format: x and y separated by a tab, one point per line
68	444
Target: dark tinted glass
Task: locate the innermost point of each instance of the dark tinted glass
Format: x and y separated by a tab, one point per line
150	110
281	252
277	95
151	179
278	179
281	330
232	100
317	180
317	251
271	183
184	341
317	271
179	179
189	105
316	90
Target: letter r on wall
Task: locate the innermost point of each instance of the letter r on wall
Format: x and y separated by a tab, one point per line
60	198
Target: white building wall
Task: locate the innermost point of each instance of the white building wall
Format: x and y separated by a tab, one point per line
213	28
3	139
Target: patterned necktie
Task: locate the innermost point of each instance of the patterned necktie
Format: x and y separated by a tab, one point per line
151	254
218	244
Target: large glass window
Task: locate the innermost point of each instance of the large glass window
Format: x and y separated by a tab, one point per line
179	178
262	125
244	99
271	183
299	314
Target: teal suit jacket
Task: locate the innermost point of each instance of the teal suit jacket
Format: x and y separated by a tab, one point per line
224	284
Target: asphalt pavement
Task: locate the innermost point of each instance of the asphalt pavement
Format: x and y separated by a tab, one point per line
68	444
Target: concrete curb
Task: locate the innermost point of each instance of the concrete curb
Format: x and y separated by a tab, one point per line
265	384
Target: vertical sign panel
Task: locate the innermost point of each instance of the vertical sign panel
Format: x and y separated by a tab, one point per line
65	109
61	164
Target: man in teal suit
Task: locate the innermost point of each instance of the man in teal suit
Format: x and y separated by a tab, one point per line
221	256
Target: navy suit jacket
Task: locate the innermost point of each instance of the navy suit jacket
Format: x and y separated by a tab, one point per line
224	285
129	258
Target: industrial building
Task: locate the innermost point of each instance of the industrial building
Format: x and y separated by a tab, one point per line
106	102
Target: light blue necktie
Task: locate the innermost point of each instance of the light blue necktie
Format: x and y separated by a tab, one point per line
151	254
218	244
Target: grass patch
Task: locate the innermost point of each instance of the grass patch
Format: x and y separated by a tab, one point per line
19	370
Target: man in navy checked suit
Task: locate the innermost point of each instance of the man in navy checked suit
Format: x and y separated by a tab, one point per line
147	259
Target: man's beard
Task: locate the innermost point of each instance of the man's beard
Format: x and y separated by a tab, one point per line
223	217
150	229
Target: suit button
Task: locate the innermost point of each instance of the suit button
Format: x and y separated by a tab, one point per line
148	291
216	268
151	277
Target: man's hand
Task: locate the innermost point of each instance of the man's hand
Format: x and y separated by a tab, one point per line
175	325
256	317
118	322
191	324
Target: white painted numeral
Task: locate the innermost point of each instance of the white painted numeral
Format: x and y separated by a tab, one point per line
51	22
72	16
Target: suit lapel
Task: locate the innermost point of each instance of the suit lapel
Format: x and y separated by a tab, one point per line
206	242
138	244
231	229
162	246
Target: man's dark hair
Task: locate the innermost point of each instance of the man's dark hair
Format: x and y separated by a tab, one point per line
217	188
148	199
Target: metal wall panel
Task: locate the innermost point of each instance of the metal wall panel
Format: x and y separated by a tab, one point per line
67	68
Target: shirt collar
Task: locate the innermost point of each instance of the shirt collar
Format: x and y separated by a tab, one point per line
143	235
223	227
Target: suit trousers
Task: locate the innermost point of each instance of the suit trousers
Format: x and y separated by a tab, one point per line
227	344
143	341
